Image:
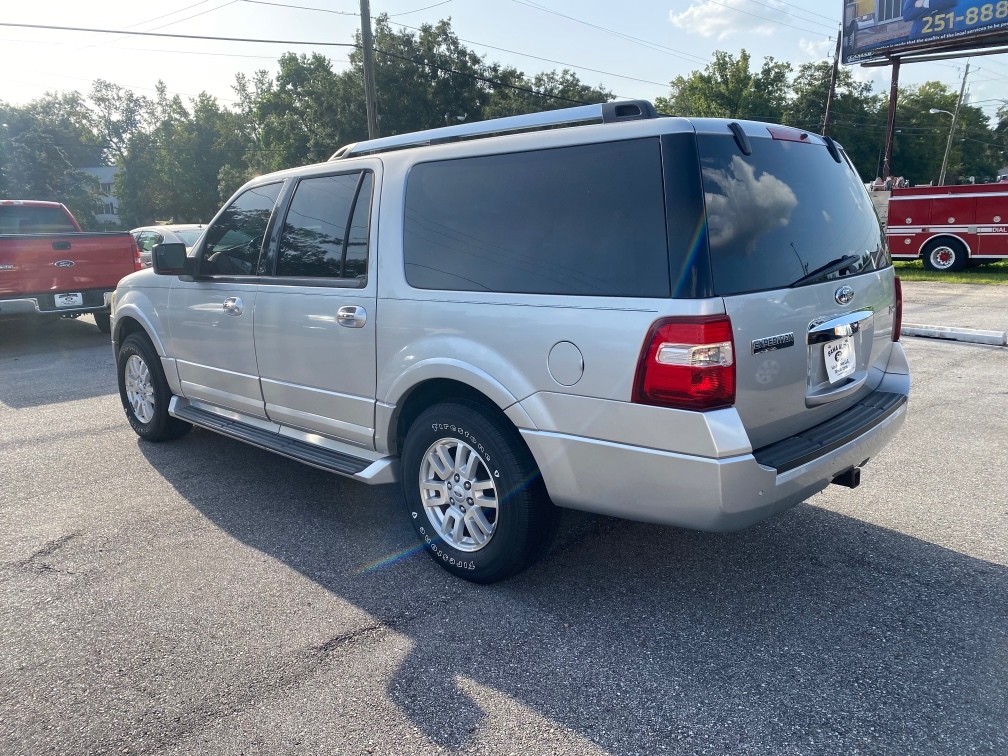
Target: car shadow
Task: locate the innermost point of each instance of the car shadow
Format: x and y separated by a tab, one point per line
34	355
813	629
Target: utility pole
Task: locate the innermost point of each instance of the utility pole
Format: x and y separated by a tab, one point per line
955	120
832	85
891	121
369	85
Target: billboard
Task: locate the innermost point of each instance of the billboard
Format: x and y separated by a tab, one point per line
877	29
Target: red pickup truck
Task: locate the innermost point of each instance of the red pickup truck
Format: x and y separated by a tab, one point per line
49	267
949	227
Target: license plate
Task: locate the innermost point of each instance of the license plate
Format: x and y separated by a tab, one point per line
839	356
69	300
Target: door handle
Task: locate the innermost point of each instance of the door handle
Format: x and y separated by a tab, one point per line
233	306
61	246
351	316
839	327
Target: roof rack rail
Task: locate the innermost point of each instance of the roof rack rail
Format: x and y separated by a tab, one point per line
608	112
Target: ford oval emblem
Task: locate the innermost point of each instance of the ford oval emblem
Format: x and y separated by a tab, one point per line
844	295
64	263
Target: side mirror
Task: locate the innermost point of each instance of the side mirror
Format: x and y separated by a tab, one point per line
171	260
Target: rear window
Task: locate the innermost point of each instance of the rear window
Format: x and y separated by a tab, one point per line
583	220
189	236
18	219
783	212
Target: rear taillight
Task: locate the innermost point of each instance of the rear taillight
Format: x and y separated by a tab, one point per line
137	264
897	323
687	363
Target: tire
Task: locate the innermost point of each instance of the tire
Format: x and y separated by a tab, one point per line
945	255
144	391
461	448
104	321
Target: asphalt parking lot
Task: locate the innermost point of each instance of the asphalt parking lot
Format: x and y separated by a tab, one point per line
203	596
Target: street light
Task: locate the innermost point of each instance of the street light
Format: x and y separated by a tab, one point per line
948	145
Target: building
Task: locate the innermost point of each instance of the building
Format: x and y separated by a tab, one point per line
108	213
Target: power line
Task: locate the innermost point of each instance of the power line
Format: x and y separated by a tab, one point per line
480	44
50	27
484	79
545	59
417	10
303	7
652	45
832	20
152	20
764	18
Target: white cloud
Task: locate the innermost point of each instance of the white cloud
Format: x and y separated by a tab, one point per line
819	49
723	18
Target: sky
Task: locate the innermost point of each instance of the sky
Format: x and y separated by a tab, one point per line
633	48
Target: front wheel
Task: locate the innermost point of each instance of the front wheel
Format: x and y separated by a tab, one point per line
144	391
474	494
945	255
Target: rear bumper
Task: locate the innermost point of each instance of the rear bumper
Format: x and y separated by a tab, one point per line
712	494
94	300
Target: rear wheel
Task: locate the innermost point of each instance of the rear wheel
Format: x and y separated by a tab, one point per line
144	391
474	493
945	255
104	321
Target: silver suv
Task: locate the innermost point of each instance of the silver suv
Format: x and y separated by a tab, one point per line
687	322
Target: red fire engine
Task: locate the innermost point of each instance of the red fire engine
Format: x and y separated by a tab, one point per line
949	227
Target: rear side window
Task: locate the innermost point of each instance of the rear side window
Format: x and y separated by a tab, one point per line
783	212
18	219
585	220
315	236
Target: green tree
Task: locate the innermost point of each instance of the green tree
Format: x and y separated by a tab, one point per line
42	145
919	144
728	88
1000	140
171	171
857	115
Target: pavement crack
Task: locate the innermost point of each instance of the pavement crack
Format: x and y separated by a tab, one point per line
286	673
34	563
337	642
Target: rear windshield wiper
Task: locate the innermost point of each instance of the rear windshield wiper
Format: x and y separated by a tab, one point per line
834	266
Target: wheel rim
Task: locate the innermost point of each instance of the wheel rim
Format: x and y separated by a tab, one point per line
943	257
139	388
459	494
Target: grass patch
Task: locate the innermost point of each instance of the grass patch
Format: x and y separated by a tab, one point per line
995	274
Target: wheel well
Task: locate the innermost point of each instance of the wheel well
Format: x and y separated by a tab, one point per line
124	328
944	238
434	392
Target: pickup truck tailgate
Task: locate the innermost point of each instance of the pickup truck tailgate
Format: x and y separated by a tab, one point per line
73	262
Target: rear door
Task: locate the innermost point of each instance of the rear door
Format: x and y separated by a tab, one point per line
800	259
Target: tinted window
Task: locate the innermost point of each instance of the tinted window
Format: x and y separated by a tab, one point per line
18	219
577	220
357	241
783	212
235	240
314	240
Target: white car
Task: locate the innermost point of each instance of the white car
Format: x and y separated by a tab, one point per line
176	233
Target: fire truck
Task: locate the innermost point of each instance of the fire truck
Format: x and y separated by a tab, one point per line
948	227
